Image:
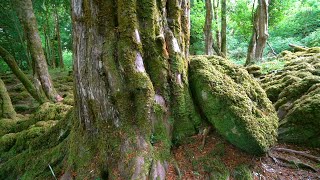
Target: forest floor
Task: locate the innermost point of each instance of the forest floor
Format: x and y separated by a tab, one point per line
214	159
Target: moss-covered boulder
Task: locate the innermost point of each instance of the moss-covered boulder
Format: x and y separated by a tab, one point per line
295	92
234	103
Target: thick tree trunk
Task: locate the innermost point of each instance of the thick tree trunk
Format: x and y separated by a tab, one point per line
28	20
208	28
224	27
9	59
259	33
6	108
131	93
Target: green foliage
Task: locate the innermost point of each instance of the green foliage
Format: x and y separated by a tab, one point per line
299	25
197	17
67	58
313	39
241	16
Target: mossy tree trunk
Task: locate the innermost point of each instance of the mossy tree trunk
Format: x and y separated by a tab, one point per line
259	33
6	108
28	20
9	59
131	87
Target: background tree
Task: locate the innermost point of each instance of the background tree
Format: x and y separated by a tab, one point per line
224	27
12	35
28	20
259	34
6	108
11	62
208	28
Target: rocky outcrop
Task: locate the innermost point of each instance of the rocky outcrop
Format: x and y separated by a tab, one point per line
295	92
234	103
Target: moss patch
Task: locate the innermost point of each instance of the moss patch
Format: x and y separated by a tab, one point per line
234	103
295	92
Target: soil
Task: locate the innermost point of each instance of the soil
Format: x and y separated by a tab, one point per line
262	168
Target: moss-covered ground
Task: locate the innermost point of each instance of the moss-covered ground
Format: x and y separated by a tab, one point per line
39	138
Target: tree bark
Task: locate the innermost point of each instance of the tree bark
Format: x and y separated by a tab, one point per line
259	34
224	27
131	87
208	28
28	20
217	31
9	59
6	108
59	47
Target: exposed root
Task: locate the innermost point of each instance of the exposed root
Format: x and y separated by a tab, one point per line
204	135
302	153
292	162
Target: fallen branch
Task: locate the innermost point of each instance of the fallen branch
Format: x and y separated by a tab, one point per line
302	153
273	52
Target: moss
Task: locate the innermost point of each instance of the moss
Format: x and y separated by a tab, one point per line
50	111
12	126
293	129
234	103
255	70
295	92
34	165
243	172
7	141
27	154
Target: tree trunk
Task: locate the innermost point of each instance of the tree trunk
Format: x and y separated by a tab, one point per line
6	108
224	27
9	59
217	32
131	87
259	33
208	28
28	20
59	48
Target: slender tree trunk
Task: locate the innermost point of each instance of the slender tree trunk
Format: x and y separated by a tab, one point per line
131	93
208	28
59	47
259	34
9	59
217	31
6	108
28	20
262	28
224	27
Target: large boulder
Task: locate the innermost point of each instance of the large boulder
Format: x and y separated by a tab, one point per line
295	92
234	103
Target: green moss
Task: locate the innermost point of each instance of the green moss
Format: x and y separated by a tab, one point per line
243	172
295	91
26	154
50	111
234	103
293	129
